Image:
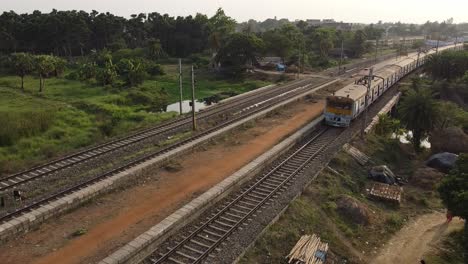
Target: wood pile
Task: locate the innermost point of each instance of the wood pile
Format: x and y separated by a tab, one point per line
386	192
308	250
360	157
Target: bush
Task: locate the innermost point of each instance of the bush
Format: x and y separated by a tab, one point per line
128	54
87	71
16	125
154	102
154	69
107	75
132	71
199	61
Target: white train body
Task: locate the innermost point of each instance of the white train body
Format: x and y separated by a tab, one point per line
349	102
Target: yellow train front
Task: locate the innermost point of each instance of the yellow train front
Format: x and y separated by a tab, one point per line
345	105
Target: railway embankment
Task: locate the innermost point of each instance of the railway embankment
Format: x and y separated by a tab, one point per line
60	204
146	243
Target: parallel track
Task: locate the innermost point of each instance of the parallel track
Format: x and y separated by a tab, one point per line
63	163
197	246
240	115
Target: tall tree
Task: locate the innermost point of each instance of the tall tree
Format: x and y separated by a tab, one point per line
418	113
277	44
23	64
45	66
221	26
240	51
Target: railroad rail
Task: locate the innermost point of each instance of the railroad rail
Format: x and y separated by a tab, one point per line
83	156
260	106
197	246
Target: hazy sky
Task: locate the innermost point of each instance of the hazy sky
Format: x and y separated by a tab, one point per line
415	11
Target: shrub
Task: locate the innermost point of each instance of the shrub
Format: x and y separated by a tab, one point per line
87	71
16	125
107	75
154	69
154	102
132	71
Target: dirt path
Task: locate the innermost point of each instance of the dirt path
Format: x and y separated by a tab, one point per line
114	219
411	242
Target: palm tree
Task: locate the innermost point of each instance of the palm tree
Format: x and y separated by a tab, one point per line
418	113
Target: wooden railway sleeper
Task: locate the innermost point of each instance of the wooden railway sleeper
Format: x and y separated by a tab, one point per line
237	211
178	252
212	226
175	260
242	207
207	238
223	224
228	219
193	249
247	203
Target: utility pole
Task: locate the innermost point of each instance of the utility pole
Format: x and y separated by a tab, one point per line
369	83
180	87
341	56
194	121
376	50
419	53
438	40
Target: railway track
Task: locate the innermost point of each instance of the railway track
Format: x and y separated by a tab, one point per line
229	108
243	205
239	115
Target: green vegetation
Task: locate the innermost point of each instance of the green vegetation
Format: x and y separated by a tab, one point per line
71	114
454	193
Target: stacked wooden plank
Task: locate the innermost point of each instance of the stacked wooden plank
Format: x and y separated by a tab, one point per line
308	250
360	157
386	192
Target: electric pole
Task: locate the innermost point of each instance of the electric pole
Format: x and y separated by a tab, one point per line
180	87
369	83
376	50
341	57
194	121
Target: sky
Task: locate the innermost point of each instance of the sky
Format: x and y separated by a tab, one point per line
356	11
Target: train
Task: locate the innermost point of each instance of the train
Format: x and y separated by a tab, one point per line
346	104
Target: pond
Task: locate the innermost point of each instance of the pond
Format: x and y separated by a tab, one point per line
405	139
186	106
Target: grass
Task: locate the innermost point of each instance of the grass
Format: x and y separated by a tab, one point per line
315	211
71	114
206	84
450	250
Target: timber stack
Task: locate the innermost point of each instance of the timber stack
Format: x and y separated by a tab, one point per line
308	250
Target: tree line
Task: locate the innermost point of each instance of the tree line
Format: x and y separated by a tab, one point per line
74	33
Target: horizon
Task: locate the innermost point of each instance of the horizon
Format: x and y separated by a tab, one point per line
331	10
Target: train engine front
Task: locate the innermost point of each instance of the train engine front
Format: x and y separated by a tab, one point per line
345	105
338	111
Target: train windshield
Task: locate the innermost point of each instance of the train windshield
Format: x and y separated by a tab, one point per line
339	104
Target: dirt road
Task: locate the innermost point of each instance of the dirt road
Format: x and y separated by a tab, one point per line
409	244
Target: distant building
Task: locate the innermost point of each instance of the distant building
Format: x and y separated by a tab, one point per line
397	41
329	23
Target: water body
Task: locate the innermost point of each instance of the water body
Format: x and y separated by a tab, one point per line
186	108
405	139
